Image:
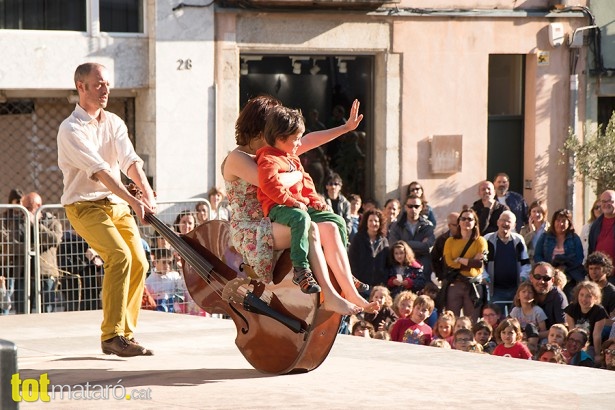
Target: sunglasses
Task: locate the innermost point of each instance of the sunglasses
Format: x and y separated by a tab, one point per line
552	348
466	219
544	278
413	206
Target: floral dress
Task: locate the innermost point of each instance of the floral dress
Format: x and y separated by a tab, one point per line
251	233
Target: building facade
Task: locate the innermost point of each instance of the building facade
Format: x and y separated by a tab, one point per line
452	92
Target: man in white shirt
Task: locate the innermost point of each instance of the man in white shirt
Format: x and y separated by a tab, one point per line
93	148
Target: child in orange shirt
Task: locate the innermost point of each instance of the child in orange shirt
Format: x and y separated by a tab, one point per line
298	205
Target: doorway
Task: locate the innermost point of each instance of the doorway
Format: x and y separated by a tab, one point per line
323	87
505	137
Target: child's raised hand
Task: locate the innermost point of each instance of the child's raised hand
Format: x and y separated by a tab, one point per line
382	325
354	118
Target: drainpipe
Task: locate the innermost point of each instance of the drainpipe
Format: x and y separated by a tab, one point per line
574	115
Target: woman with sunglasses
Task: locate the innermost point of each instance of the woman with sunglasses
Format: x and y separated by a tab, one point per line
608	354
464	253
562	248
417	189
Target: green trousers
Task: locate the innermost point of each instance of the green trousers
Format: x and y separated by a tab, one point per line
299	221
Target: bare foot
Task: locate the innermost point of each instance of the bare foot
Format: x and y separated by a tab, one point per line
368	307
372	307
341	306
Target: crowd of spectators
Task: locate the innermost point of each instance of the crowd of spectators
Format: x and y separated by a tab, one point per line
504	278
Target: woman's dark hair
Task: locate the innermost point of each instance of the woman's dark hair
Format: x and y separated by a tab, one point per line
179	217
15	195
563	212
495	307
365	217
364	325
580	331
252	118
475	231
540	204
423	198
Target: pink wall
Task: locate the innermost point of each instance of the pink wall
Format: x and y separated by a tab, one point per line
444	92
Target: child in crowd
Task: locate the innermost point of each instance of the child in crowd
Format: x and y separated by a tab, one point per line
413	329
483	334
363	328
444	326
532	318
431	290
509	334
405	273
492	314
462	322
464	340
551	354
382	319
402	304
298	205
475	347
5	297
559	279
586	312
382	335
441	343
557	335
166	286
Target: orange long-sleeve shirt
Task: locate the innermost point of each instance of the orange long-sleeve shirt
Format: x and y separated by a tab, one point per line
271	163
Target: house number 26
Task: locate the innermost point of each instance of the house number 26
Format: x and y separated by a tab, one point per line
184	64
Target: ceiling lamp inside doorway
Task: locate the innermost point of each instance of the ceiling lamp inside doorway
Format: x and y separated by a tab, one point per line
296	62
342	65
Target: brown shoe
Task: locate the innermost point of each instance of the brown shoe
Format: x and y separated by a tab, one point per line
148	352
120	346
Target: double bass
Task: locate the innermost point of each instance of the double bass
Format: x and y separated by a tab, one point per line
280	329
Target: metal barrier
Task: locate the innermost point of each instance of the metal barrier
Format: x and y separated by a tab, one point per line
50	268
15	262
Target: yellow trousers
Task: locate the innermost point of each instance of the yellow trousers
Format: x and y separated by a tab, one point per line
111	231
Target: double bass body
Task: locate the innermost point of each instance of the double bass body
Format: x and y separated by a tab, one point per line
269	345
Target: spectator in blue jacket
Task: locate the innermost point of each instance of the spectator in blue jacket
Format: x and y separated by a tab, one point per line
562	248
